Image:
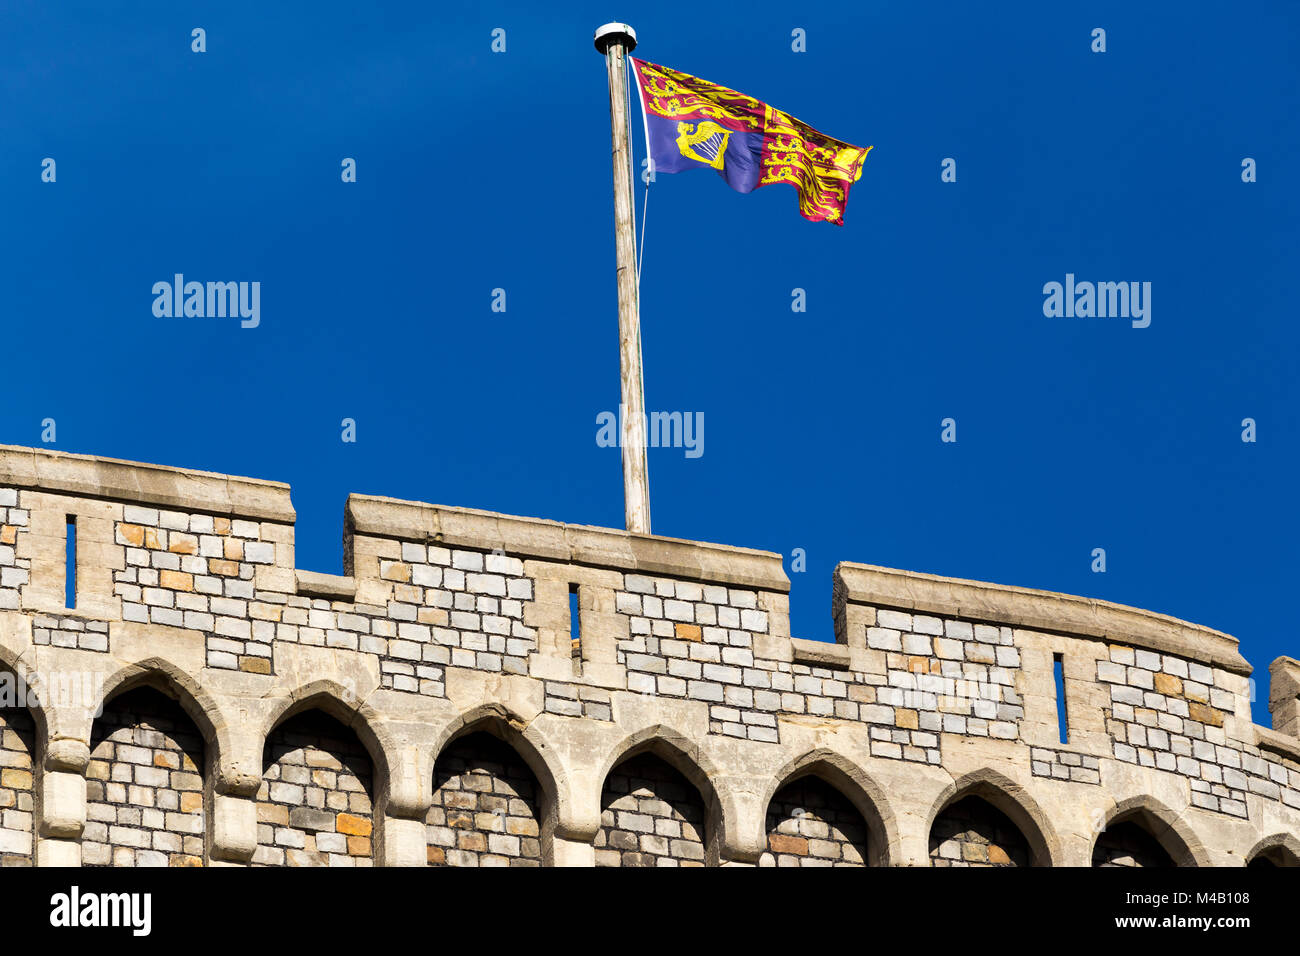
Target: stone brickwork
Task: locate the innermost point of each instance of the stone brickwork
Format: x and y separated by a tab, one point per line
574	700
697	642
458	607
810	823
144	787
448	607
1065	765
196	571
972	832
314	806
935	689
14	571
485	808
650	816
17	743
66	631
1168	712
946	676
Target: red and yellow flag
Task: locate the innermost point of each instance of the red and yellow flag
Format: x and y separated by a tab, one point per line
692	123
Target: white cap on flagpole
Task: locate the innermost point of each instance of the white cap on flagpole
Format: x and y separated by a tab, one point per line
615	31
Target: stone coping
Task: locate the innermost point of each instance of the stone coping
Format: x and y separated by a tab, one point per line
134	482
1284	679
566	543
331	587
1281	744
1048	611
819	654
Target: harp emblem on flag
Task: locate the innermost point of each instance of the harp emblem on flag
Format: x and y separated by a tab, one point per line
704	141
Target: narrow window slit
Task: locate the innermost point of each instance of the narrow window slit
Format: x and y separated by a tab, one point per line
1062	725
575	626
70	564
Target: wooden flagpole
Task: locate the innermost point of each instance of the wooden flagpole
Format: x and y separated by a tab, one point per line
615	41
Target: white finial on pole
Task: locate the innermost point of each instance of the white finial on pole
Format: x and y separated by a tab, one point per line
615	41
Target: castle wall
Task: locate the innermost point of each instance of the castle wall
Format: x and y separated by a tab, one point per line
144	785
650	816
314	804
810	823
486	807
17	817
973	833
661	736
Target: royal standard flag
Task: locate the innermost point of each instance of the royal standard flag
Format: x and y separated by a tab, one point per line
692	123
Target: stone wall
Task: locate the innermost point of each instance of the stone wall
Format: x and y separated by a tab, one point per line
971	832
486	807
144	785
650	816
17	745
314	806
810	823
1169	712
685	725
13	569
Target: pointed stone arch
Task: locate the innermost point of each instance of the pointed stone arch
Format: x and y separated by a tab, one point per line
1280	849
332	698
1170	831
322	792
22	746
1012	801
179	685
14	665
672	746
685	758
523	736
853	783
148	780
518	818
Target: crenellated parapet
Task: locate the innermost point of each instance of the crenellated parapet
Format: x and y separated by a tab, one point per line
452	626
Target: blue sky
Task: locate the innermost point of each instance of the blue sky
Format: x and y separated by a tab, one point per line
479	171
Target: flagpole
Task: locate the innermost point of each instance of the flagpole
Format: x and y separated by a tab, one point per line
615	41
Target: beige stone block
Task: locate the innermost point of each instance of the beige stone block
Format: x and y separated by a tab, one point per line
234	828
1168	685
176	580
63	804
774	648
181	543
131	534
275	578
688	632
59	853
